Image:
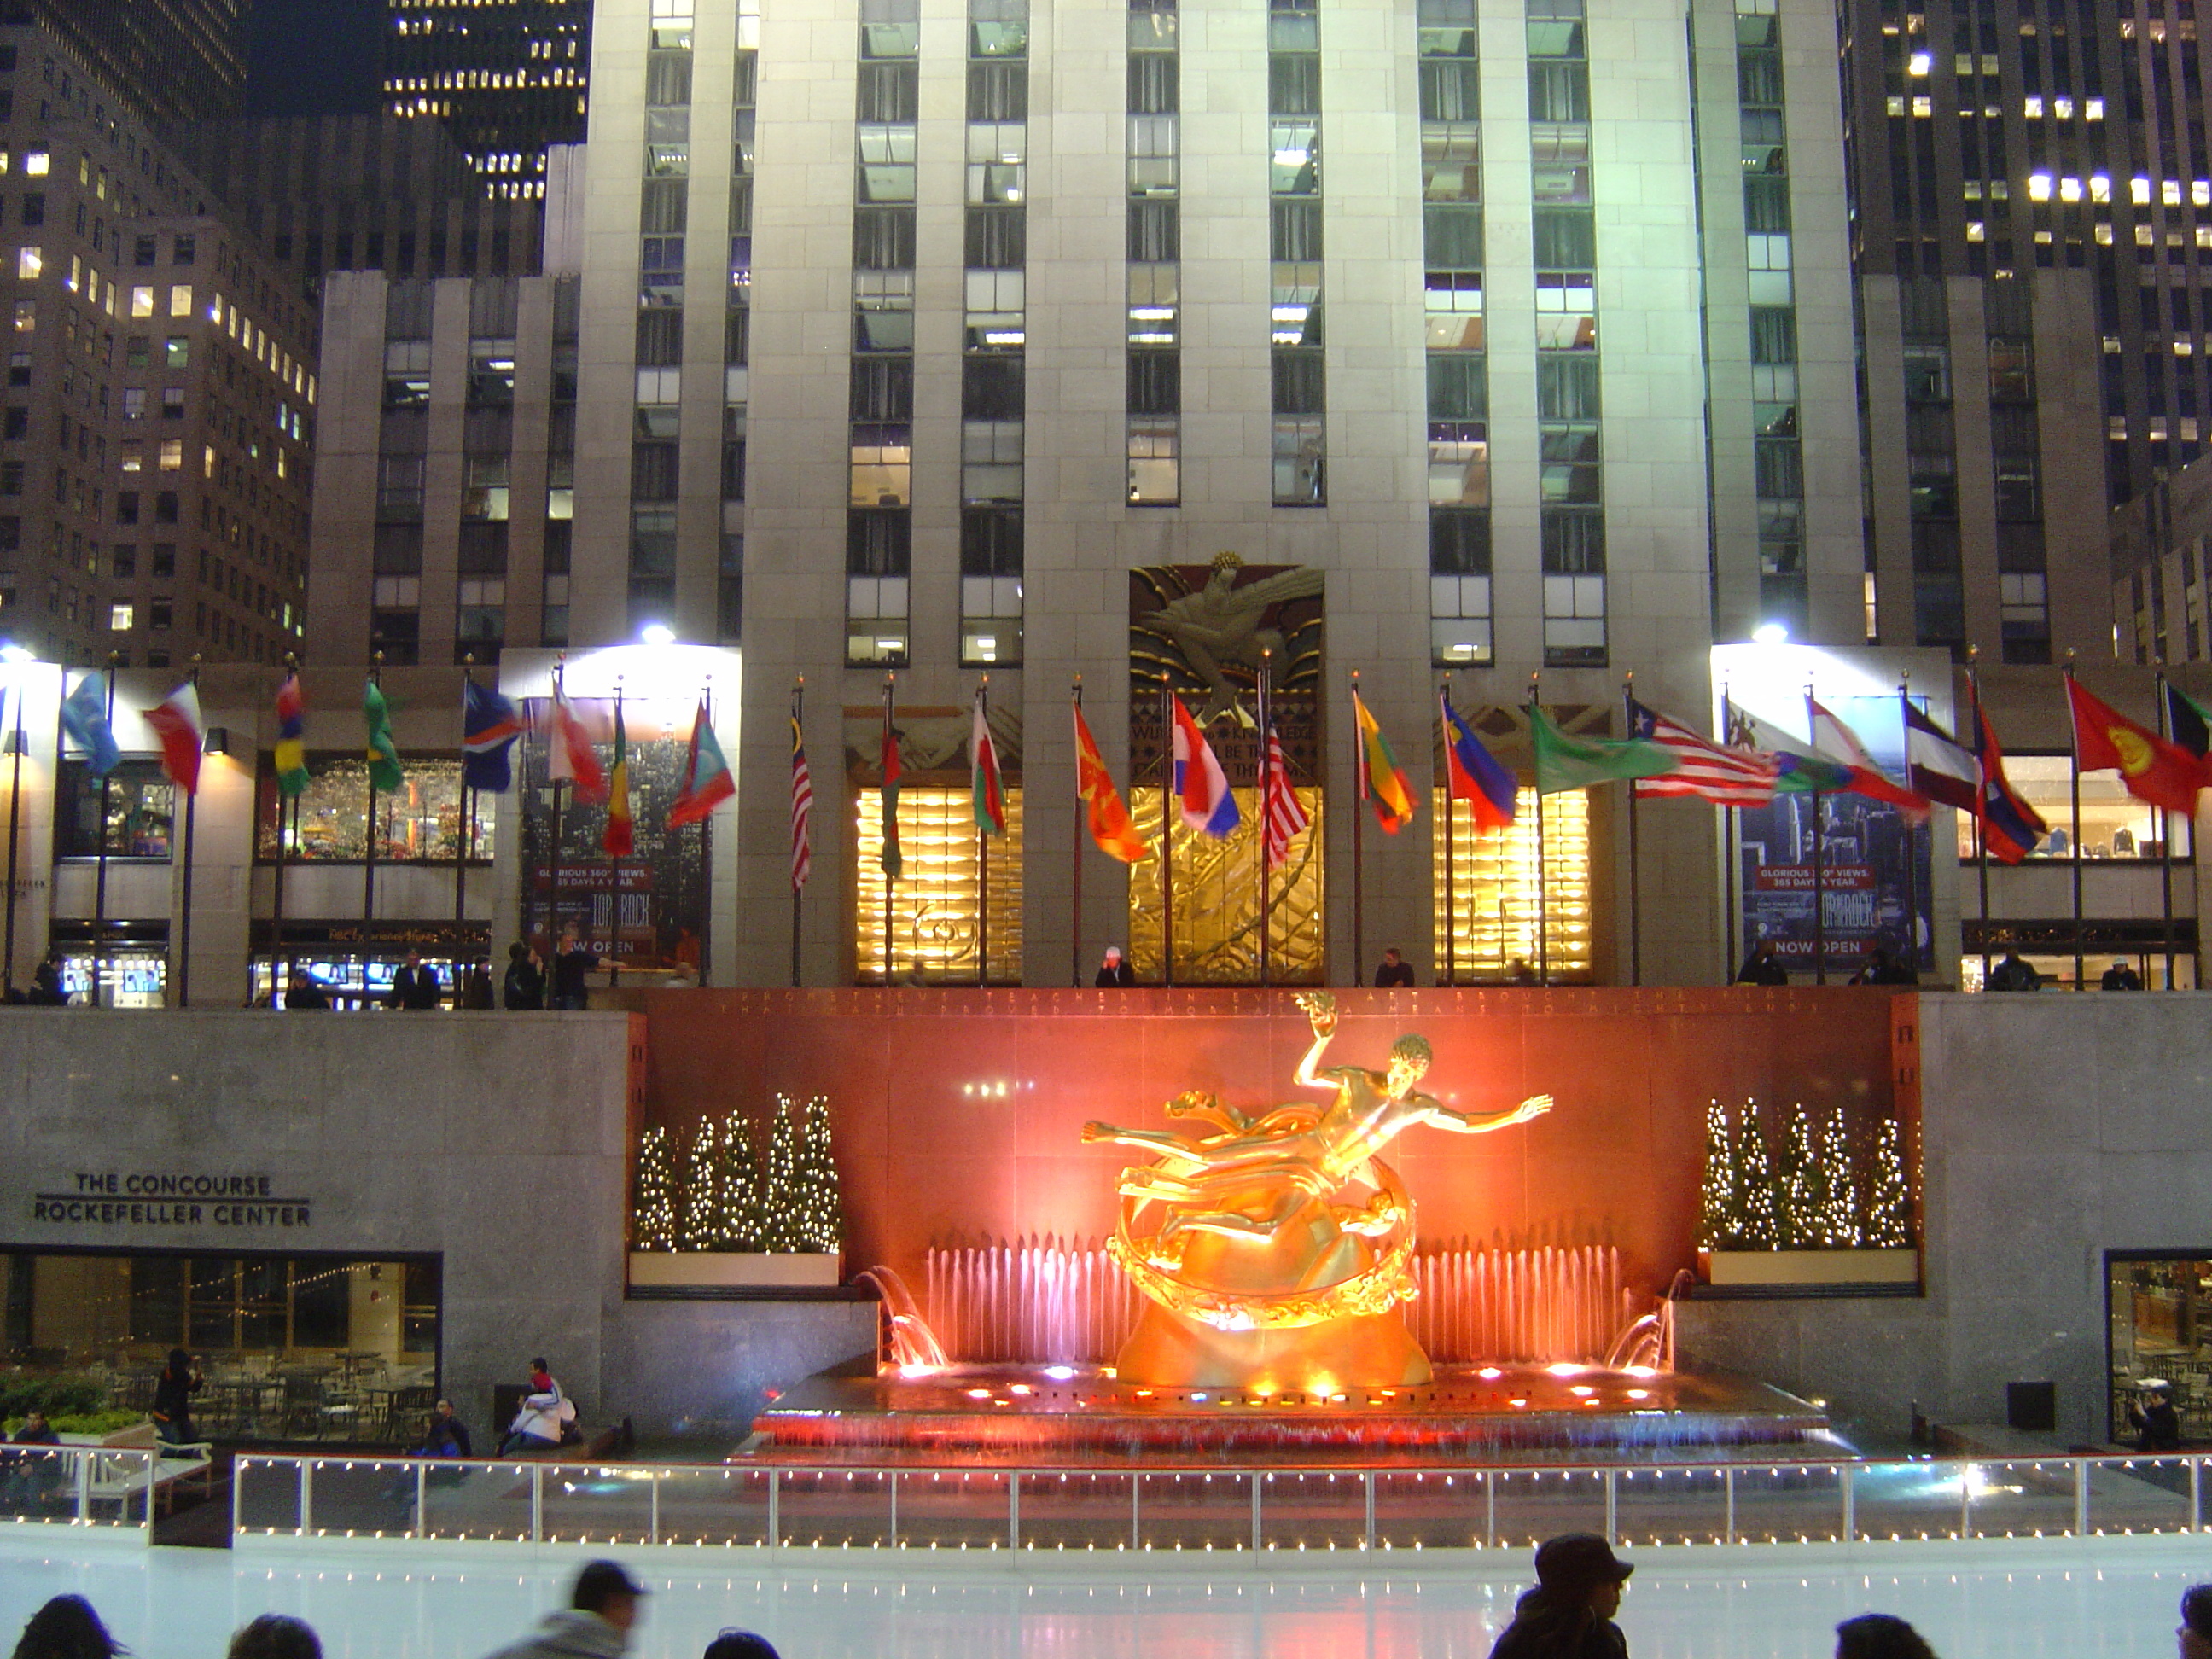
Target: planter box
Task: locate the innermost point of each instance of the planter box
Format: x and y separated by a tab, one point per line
1811	1266
734	1268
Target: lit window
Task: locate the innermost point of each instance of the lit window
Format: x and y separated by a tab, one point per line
142	302
173	455
180	300
35	163
1919	62
121	617
134	455
2038	186
29	263
2139	191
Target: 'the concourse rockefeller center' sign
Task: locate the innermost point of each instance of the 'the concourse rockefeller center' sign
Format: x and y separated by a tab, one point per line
111	1198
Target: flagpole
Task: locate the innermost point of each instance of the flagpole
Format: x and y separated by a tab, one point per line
2074	831
706	850
887	836
1820	873
1359	843
184	925
368	865
614	858
553	868
1451	895
1167	826
100	883
1981	804
1911	835
1075	875
1543	897
982	856
15	825
461	841
1266	796
1731	827
797	709
279	980
2165	844
1634	864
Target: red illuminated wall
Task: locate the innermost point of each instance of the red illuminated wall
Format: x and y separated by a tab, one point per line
958	1112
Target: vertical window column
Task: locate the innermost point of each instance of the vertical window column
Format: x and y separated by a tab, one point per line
736	327
1154	398
991	401
1939	609
560	465
1572	496
2016	443
1458	375
1299	447
879	536
395	617
664	216
1778	459
487	447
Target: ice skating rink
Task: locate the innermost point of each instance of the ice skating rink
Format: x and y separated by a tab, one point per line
2076	1598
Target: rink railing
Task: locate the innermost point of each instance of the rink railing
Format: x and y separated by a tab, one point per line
109	1486
1257	1509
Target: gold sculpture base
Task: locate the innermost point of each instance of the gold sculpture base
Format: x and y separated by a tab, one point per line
1374	1351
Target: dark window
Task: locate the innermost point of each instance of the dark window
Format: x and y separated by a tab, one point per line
1155	383
1565	238
888	92
990	388
883	238
1294	231
1298	383
1457	387
1155	235
1459	541
991	541
882	388
1451	234
998	91
1154	83
998	238
878	542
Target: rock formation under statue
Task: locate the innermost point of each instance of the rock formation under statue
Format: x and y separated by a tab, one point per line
1274	1250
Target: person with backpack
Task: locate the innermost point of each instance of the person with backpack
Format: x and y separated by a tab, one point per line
525	977
542	1422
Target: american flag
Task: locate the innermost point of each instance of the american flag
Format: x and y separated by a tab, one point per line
802	810
1731	777
1285	817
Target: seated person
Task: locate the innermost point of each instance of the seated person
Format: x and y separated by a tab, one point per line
27	1479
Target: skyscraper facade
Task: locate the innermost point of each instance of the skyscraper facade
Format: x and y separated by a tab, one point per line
507	79
174	60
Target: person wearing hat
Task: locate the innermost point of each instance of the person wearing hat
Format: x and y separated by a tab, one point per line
596	1624
1569	1615
2194	1635
1114	972
2156	1423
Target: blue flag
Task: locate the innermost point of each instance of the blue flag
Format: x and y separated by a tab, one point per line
489	728
1476	776
84	717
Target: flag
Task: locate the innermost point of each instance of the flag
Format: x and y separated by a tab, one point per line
892	859
706	782
802	810
1285	816
1570	763
291	737
573	758
1380	778
1472	773
383	753
2164	774
2188	721
84	717
1111	828
1839	744
1802	772
176	721
1936	765
1727	777
2010	827
489	729
1201	786
619	838
990	799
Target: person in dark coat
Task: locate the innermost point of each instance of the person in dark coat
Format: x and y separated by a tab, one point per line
1764	966
1569	1615
1880	1636
2156	1423
66	1627
2013	973
2120	977
276	1635
525	987
1393	970
25	1478
172	1399
2194	1636
1114	972
46	991
476	989
303	995
572	966
415	987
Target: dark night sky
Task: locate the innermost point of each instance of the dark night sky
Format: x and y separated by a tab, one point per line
313	57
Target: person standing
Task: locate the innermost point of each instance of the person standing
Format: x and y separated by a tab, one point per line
1394	971
66	1627
2194	1637
572	967
46	989
2012	973
525	987
304	995
476	989
276	1635
602	1610
1880	1636
1764	966
1114	972
172	1399
1569	1615
414	986
2156	1423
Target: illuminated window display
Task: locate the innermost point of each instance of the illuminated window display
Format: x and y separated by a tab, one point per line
1491	913
420	823
141	812
933	932
2114	823
2161	1312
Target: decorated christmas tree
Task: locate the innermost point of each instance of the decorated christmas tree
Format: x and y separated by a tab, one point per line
697	1231
1798	1186
1889	1200
817	1213
776	1196
1838	1221
653	1224
738	1179
1756	1223
1716	1217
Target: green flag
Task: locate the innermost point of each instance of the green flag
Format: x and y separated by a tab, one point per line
384	771
1565	763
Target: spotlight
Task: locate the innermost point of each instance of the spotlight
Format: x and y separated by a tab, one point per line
1773	633
657	634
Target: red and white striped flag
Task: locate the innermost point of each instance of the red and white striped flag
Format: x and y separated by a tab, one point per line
1729	777
1286	818
802	810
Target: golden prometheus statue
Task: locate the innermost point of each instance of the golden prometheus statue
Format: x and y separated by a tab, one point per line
1273	1252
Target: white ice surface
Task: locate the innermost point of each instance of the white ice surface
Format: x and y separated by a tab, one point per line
1977	1600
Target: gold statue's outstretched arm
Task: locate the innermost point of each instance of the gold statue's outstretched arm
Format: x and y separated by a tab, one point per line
1475	1123
1320	1013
